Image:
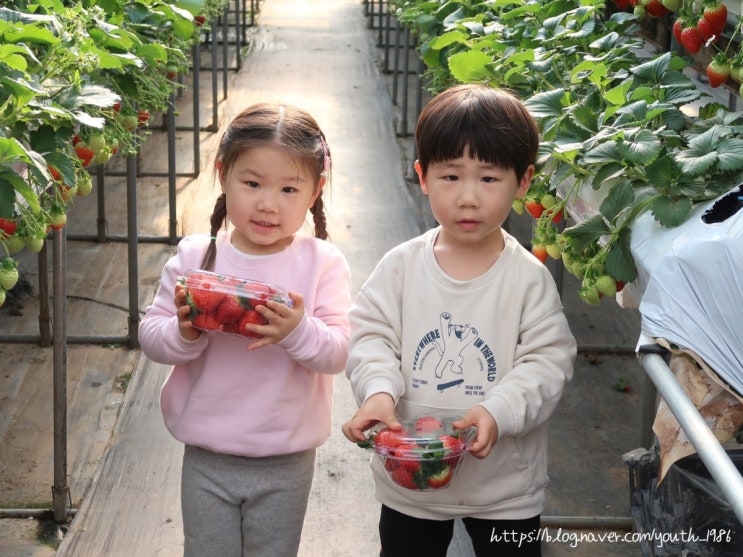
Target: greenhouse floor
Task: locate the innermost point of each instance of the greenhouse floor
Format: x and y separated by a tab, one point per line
123	467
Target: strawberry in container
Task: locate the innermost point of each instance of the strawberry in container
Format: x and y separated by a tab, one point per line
226	304
425	455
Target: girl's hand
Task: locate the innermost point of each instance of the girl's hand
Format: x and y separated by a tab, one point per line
377	408
487	430
185	327
282	320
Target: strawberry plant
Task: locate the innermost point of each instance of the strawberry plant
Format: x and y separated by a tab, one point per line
616	140
71	73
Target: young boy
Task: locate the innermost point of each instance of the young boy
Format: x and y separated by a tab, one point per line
463	318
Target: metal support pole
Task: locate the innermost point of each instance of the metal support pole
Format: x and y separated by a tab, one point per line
60	489
45	333
717	461
133	266
173	215
403	132
101	224
196	109
215	82
225	51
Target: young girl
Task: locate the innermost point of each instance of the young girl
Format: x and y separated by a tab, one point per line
251	414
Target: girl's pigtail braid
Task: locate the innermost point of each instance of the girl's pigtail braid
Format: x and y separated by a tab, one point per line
318	216
216	221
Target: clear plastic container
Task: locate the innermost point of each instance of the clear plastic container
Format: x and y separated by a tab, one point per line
425	455
226	304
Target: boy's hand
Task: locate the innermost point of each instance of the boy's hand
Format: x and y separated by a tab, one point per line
282	320
182	311
487	430
377	408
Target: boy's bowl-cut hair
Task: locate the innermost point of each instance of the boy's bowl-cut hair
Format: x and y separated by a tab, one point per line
492	124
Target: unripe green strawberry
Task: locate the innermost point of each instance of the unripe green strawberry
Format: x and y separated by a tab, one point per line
8	273
589	294
554	250
671	5
84	185
2	297
518	206
568	262
14	243
34	244
606	285
548	200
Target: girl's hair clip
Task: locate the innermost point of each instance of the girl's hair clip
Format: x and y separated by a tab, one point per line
325	155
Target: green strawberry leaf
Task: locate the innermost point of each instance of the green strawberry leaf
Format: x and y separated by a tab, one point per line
587	232
618	200
619	262
670	211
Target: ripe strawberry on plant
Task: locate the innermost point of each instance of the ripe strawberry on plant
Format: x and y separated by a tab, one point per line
534	207
8	273
678	27
708	31
540	252
717	14
691	40
7	227
655	8
84	153
718	70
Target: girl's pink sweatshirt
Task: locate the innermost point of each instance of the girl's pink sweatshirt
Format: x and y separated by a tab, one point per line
270	401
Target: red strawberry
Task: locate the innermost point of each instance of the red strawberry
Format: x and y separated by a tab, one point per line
717	14
407	457
251	317
7	226
427	424
621	4
655	8
534	207
718	70
230	310
707	30
623	385
403	478
557	216
387	440
678	26
691	40
440	479
620	285
205	297
540	252
55	173
84	153
206	321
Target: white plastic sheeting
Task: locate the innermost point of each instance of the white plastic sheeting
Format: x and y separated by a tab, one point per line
690	283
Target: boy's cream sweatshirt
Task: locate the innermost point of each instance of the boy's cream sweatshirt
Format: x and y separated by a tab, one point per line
500	340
